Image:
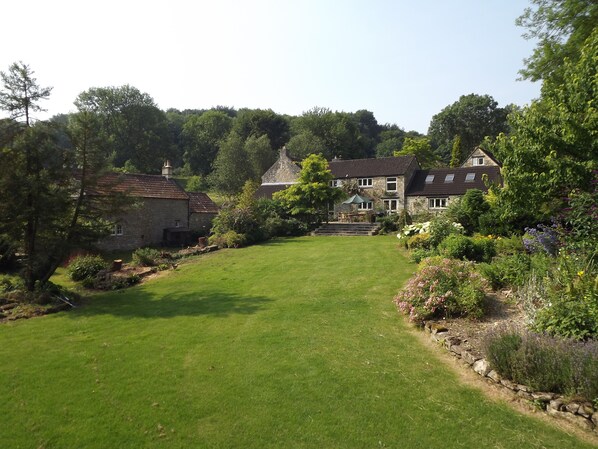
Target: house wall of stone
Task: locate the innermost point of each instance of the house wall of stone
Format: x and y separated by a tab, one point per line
284	170
419	204
144	223
488	162
201	223
377	193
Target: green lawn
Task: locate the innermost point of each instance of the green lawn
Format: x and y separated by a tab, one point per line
291	344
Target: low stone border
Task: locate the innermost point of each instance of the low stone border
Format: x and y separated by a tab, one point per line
582	414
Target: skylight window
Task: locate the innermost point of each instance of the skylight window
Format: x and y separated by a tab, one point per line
469	177
450	177
429	179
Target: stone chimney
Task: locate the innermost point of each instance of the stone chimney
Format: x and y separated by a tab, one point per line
167	170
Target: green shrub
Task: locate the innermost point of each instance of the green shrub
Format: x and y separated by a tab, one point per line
146	257
457	246
442	288
507	271
440	228
570	301
419	241
277	226
9	283
84	267
484	248
544	363
388	224
230	239
507	246
417	255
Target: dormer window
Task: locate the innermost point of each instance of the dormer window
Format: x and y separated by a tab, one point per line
478	160
469	177
429	179
449	178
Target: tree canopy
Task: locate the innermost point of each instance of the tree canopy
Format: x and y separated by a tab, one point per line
553	147
561	28
472	117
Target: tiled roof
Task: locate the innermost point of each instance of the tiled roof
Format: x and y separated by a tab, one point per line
141	186
360	168
459	185
200	202
267	190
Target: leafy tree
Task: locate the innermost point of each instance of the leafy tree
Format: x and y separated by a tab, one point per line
43	207
561	27
309	198
338	132
420	148
231	169
138	130
202	135
21	92
472	118
456	153
260	155
196	184
369	131
553	147
257	122
304	144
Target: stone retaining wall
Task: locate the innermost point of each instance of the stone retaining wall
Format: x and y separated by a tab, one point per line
582	414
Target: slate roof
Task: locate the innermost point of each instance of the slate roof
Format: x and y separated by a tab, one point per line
200	202
419	187
362	168
141	186
267	190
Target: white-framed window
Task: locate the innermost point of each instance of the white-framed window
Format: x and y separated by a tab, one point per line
429	179
335	183
469	177
437	203
364	182
366	206
391	184
449	178
391	205
117	229
177	223
478	160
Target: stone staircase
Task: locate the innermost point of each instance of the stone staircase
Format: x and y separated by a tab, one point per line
347	229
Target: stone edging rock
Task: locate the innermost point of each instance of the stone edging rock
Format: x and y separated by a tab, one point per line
582	414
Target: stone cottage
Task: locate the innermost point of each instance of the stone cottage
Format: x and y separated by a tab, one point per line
392	184
162	212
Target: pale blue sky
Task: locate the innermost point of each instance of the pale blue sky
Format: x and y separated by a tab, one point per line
402	60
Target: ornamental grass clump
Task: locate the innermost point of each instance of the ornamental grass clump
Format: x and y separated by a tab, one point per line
442	288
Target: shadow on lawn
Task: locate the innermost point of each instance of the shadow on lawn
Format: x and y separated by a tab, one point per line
143	304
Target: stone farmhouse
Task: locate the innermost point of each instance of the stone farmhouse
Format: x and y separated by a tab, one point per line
163	213
392	184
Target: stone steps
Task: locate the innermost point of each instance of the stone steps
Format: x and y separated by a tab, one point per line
347	229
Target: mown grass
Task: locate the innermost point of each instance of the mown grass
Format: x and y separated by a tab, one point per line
291	344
